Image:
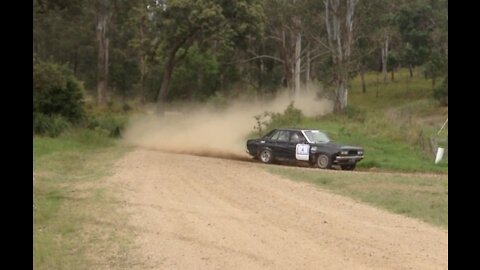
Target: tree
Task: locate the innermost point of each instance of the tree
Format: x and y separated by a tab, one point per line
56	91
437	64
182	22
415	26
103	15
64	32
139	20
339	21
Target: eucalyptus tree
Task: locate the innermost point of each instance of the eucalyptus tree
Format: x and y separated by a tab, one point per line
181	23
291	28
140	22
339	19
415	24
64	32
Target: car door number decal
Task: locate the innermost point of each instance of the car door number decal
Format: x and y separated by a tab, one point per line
302	151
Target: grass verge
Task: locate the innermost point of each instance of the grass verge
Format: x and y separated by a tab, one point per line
415	195
76	221
396	122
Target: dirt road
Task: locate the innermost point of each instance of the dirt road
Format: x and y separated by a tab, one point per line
190	212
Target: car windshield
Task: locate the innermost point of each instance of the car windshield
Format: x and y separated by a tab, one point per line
316	136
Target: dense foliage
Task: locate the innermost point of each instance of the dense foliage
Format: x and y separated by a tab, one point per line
191	50
57	98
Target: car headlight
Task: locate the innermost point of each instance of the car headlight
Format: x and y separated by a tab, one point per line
313	149
344	152
360	152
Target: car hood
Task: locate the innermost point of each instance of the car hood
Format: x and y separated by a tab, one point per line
339	146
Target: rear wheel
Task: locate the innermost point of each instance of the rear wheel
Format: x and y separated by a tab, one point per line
349	167
324	161
266	156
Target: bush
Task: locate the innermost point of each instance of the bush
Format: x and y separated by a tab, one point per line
355	113
57	92
440	93
217	101
110	124
291	117
53	126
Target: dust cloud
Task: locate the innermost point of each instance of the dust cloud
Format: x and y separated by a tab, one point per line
195	129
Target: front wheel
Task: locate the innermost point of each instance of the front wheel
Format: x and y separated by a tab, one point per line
349	167
266	156
324	161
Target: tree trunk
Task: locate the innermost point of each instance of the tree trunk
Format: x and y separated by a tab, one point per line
75	61
286	64
341	95
362	76
384	58
172	59
298	49
102	57
340	40
167	75
261	68
142	76
307	73
393	75
142	66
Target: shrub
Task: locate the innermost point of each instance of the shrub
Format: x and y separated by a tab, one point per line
261	121
291	117
440	93
113	125
217	101
355	113
53	125
57	92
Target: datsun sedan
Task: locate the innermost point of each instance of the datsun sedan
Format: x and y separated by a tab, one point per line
309	145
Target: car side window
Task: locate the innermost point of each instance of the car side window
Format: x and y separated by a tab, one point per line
301	138
275	135
281	136
297	137
294	138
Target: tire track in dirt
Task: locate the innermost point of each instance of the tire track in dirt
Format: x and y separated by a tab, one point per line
191	212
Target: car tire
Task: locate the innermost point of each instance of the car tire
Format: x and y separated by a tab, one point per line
324	161
349	167
265	156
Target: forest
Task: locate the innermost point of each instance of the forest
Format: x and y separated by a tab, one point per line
163	51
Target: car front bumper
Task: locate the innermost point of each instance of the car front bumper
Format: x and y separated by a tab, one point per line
347	159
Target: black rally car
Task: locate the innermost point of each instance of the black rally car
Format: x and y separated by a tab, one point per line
307	145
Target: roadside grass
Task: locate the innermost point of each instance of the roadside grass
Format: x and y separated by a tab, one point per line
396	127
77	223
424	197
382	151
380	95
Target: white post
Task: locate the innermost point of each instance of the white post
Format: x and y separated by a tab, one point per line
439	156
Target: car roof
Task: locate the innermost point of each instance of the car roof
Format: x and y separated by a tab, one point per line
295	129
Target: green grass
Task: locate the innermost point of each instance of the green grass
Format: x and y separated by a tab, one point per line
394	127
382	95
419	196
73	211
381	151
